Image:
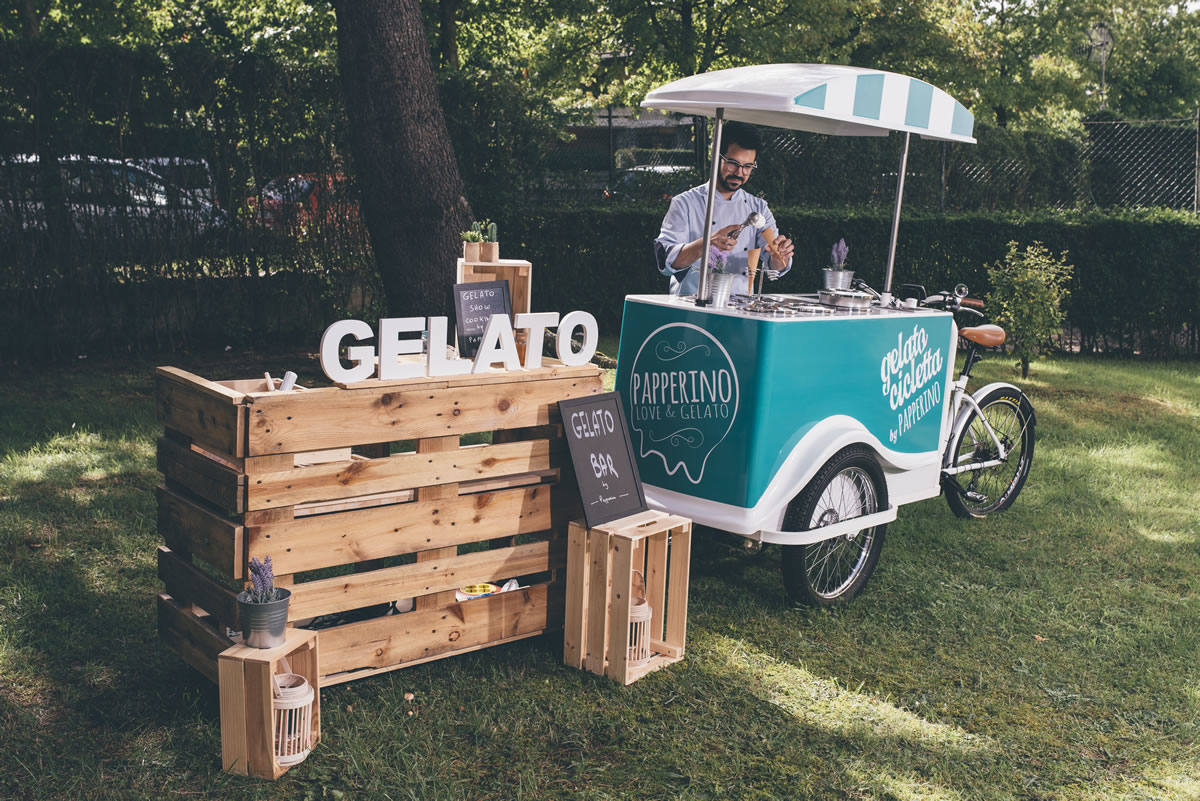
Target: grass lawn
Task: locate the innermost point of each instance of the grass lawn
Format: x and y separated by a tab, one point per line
1047	653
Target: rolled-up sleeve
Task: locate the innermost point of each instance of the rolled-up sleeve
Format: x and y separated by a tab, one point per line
672	237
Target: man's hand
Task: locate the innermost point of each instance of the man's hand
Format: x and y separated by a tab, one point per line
725	238
781	254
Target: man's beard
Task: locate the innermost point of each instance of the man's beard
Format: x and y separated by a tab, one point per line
723	182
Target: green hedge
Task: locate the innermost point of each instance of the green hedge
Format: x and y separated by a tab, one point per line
1136	286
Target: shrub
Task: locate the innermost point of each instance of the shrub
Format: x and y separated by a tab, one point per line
1028	289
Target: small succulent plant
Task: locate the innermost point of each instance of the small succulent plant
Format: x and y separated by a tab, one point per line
262	577
480	231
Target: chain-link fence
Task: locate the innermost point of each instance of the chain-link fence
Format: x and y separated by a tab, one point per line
1136	164
1111	164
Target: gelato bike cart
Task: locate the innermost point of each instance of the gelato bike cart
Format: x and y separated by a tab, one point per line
807	420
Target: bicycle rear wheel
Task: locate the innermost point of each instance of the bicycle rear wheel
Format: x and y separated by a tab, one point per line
981	492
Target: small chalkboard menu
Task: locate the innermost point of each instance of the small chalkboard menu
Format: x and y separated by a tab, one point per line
474	305
602	456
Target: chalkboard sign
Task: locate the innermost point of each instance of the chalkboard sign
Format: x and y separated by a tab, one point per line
474	305
602	455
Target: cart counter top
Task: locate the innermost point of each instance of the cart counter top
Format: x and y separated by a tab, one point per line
784	308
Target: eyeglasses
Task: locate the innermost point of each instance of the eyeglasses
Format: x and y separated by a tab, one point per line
739	166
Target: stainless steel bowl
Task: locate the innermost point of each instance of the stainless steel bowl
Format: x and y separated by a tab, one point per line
845	298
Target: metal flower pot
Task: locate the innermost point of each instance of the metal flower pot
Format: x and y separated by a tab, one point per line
264	625
836	279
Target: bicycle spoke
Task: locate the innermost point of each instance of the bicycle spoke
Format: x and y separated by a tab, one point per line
834	563
989	487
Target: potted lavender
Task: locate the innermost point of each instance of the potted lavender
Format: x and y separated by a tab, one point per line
836	276
263	607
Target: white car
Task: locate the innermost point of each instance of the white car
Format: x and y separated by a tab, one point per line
110	203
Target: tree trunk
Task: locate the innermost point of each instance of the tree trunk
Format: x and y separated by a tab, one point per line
412	195
448	34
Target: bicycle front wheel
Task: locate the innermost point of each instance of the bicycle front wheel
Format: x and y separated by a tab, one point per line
985	490
833	571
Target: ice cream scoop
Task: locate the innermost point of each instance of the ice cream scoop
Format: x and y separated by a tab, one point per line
755	220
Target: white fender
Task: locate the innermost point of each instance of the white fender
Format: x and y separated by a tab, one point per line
807	456
966	409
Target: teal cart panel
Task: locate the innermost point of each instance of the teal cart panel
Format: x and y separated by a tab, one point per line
716	400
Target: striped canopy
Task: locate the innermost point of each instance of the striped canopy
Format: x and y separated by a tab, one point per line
823	98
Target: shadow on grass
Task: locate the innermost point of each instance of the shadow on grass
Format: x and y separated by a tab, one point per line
93	703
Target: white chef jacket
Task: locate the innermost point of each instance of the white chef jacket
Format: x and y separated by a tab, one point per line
684	222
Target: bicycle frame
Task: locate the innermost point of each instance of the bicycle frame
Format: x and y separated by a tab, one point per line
959	396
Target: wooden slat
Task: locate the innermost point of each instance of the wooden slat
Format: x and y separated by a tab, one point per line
677	587
576	610
203	410
259	720
618	615
187	585
657	662
656	581
201	386
366	673
672	651
196	642
433	449
398	640
599	580
313	542
209	479
341	593
187	527
508	482
282	421
641	524
275	463
231	688
551	368
346	479
346	504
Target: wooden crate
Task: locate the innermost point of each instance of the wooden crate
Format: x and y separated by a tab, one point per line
519	275
601	563
352	522
247	718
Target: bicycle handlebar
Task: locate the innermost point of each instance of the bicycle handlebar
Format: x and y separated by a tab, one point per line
954	304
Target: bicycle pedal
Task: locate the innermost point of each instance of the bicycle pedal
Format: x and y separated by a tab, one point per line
975	497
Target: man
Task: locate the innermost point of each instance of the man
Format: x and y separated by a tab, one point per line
681	240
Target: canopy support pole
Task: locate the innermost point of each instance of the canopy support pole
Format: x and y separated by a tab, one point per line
891	262
704	288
